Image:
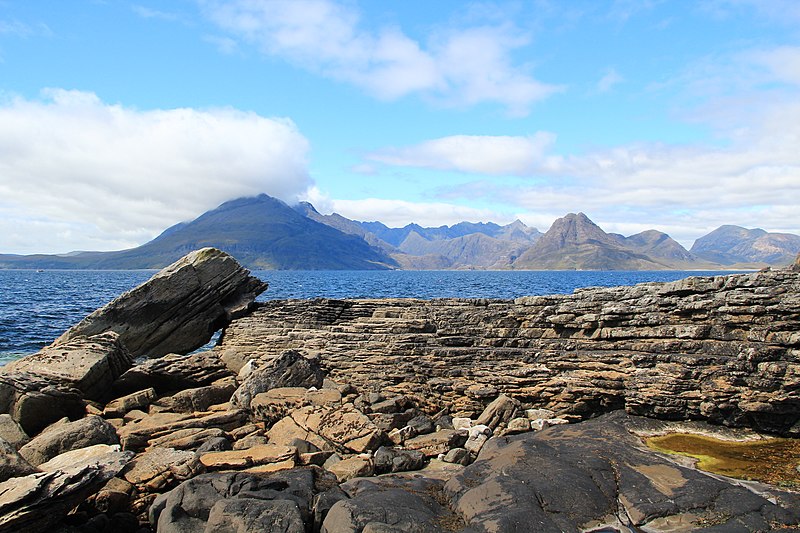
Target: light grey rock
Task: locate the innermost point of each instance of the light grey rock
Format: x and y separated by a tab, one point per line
499	412
137	400
68	436
173	372
12	464
12	432
178	309
291	369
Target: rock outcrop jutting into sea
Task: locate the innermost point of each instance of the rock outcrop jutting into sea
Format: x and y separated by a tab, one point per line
387	416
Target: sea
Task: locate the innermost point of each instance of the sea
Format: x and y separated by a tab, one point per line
37	306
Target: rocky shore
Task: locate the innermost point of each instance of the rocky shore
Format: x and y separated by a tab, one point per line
388	416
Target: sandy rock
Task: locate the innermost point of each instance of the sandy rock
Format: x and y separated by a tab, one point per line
12	432
499	412
188	439
80	456
178	309
460	456
517	425
136	400
87	363
138	434
544	423
69	436
435	443
344	426
241	459
160	468
356	466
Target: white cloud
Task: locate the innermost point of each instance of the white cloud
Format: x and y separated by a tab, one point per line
481	154
76	172
398	213
459	67
609	80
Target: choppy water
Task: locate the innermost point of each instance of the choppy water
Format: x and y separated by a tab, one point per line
36	307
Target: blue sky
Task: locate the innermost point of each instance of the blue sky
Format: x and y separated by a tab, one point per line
119	119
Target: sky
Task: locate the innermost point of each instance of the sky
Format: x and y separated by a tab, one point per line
121	118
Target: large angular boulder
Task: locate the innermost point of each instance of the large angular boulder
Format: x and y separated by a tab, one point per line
11	463
173	372
179	308
90	364
35	402
290	369
63	437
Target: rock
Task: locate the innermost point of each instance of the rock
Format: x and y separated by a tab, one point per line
173	372
596	472
289	370
12	464
435	443
390	460
160	468
344	427
136	400
537	414
400	435
188	439
81	456
286	431
114	496
178	309
517	425
37	502
214	444
499	412
66	437
139	434
249	441
12	432
421	425
200	398
544	423
250	515
274	404
35	402
462	423
356	466
388	504
478	435
89	364
795	267
459	456
188	506
241	459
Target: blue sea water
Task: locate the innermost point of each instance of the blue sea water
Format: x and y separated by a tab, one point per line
36	307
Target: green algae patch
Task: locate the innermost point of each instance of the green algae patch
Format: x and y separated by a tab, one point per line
773	460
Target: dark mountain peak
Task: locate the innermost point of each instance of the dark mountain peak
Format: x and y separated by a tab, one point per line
574	228
306	208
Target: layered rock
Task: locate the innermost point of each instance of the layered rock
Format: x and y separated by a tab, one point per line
722	348
178	309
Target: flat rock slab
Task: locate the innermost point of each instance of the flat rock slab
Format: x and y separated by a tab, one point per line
90	364
239	459
64	437
178	309
597	473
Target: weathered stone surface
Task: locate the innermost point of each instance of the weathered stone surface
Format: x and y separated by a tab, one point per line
178	309
499	412
344	427
388	504
435	443
355	466
251	515
390	460
69	436
90	364
173	373
80	456
12	432
138	434
12	464
290	369
240	459
583	476
724	349
200	398
188	506
160	468
274	404
188	439
36	402
136	400
37	502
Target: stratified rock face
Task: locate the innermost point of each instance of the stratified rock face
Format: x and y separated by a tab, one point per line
178	309
725	349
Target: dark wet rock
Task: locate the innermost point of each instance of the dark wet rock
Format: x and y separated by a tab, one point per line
421	425
595	473
291	369
37	502
90	364
214	444
173	373
68	436
253	515
12	464
391	504
178	309
188	507
389	460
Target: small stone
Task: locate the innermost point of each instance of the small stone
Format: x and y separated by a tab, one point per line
459	456
137	400
460	422
356	466
517	425
421	424
536	414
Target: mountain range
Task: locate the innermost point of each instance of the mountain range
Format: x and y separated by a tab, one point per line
265	233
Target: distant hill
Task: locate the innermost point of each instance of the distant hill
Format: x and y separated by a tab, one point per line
729	245
265	233
576	243
261	232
